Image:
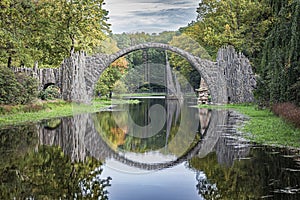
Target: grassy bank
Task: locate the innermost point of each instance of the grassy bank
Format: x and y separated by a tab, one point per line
266	128
50	109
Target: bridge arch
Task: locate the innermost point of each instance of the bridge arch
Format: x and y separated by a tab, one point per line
207	69
230	77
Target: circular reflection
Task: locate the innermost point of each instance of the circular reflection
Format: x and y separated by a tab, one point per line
168	147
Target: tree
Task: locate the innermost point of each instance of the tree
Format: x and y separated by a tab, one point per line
179	63
9	87
17	20
16	88
108	78
241	23
29	170
280	66
105	85
83	23
48	31
165	37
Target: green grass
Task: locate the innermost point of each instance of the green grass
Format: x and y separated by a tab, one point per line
51	110
266	128
56	109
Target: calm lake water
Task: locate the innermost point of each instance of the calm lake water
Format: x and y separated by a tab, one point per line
157	149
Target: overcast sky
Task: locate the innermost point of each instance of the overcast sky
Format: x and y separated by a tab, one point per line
150	15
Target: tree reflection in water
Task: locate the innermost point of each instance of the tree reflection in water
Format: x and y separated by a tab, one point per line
204	187
263	174
30	171
177	137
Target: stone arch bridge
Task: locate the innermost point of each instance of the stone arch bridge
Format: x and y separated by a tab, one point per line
230	78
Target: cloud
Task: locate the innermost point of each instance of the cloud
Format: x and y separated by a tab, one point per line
150	15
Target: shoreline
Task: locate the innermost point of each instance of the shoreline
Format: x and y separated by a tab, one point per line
55	109
264	127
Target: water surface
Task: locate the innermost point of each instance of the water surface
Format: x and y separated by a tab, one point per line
158	149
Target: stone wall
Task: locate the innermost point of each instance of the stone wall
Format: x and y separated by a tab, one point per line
240	79
74	73
44	76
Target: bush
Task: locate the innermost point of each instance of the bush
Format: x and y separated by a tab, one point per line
16	88
287	111
28	89
51	92
9	86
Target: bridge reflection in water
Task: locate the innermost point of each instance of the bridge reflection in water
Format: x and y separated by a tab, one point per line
125	150
79	137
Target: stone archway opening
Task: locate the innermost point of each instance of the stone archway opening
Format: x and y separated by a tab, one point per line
50	91
191	60
151	70
199	64
48	85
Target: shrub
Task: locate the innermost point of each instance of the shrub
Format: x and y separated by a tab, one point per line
51	92
16	88
28	89
9	86
287	111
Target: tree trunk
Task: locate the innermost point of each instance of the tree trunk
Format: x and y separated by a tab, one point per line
35	67
72	49
9	62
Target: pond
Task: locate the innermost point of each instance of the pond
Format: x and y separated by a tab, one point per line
157	149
